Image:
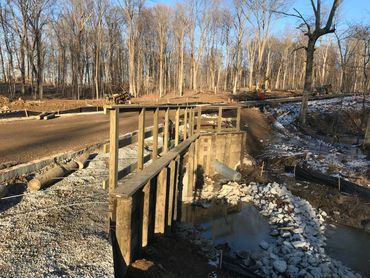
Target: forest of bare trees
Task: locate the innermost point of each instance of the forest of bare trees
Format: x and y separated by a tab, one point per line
91	48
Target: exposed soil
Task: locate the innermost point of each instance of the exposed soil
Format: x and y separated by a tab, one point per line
342	127
341	208
246	94
339	125
47	105
53	102
172	256
257	126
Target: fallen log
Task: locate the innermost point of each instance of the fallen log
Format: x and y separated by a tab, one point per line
46	178
49	116
51	175
82	160
42	115
336	182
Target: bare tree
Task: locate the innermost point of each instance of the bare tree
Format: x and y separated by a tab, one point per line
180	26
313	32
161	14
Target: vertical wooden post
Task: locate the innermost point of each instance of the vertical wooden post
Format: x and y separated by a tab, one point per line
113	158
191	123
171	192
177	125
148	213
165	131
160	207
238	112
140	140
219	119
155	134
199	119
190	170
176	189
185	122
123	228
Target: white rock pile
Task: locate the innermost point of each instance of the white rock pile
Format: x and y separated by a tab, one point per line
298	228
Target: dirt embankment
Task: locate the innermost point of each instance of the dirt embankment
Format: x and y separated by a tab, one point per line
257	126
339	125
341	208
47	105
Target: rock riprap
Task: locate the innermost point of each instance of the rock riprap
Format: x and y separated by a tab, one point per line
298	230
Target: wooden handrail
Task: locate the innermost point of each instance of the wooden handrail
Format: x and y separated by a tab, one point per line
130	185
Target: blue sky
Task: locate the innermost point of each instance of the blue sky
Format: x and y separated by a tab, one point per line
351	11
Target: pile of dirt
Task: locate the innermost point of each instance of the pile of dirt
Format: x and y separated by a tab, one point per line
339	123
188	97
246	94
341	208
257	126
52	105
4	103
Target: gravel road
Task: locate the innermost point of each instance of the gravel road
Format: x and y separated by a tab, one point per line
61	231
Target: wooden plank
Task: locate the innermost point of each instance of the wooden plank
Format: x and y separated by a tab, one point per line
123	229
146	214
160	207
155	134
166	130
199	119
191	122
238	118
176	187
190	170
219	119
140	140
128	186
138	107
171	193
113	159
132	167
177	126
131	138
185	123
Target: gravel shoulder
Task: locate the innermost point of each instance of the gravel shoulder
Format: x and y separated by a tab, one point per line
61	231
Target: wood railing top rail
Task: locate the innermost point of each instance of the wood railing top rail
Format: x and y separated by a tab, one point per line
168	106
147	107
130	185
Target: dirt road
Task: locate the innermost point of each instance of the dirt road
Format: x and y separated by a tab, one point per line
23	141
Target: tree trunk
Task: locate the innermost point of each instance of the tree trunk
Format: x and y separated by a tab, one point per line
308	79
181	68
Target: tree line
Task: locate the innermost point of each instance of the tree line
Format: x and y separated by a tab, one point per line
91	48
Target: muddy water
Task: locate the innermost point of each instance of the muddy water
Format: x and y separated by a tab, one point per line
242	230
246	228
350	246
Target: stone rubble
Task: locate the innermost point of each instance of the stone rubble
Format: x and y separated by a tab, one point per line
298	228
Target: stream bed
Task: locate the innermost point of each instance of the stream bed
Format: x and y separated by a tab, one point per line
246	228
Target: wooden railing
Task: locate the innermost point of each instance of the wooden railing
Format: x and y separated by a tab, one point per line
145	203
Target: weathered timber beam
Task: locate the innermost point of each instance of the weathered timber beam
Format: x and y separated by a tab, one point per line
127	187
